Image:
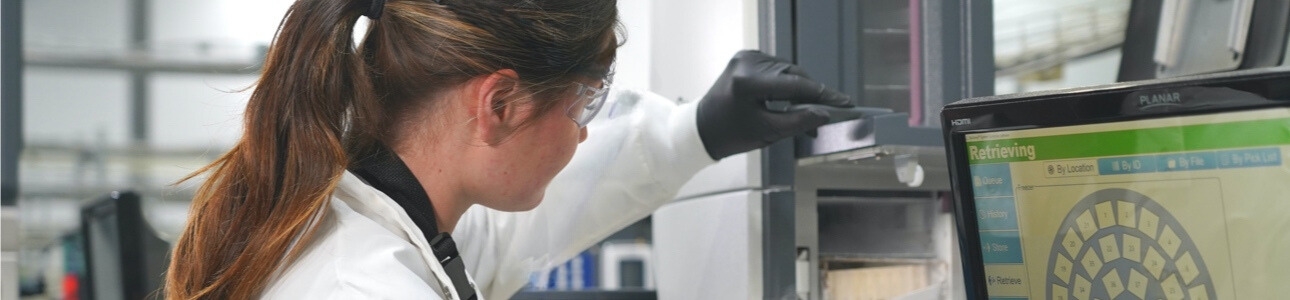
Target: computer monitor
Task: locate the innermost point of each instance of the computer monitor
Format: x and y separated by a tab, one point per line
1164	189
124	257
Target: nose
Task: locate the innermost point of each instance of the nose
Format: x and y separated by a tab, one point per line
582	135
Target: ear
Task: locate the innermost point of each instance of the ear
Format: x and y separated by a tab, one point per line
492	101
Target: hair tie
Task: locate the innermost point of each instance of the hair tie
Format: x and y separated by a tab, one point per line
374	11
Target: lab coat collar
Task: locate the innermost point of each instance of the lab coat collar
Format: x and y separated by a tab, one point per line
385	172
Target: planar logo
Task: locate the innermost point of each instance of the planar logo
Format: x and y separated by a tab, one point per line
1158	100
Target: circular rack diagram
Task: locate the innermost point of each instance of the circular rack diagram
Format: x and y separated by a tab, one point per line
1119	244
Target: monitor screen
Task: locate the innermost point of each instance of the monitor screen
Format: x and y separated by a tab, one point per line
124	257
105	254
1177	207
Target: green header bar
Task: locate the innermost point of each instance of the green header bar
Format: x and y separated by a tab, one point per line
1258	133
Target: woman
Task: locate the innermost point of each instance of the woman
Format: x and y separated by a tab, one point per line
452	116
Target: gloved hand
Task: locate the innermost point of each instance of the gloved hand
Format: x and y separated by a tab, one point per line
734	117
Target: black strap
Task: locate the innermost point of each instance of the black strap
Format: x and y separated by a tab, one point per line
384	171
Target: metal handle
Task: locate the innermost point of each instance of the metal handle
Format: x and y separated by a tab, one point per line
1239	29
1166	33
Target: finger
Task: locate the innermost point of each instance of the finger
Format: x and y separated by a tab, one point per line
799	121
746	54
800	90
755	58
767	64
776	65
796	70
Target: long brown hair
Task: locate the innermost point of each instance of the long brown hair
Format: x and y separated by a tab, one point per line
321	102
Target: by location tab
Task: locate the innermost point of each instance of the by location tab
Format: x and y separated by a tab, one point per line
992	180
1070	168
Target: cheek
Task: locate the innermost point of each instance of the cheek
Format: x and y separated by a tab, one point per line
560	140
549	148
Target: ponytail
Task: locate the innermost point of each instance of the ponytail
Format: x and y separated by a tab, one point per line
265	194
315	110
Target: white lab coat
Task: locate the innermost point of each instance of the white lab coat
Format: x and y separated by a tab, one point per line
641	149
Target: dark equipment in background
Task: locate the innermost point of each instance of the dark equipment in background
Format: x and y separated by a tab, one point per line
1169	40
125	259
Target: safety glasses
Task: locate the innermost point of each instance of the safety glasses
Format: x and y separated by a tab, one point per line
590	101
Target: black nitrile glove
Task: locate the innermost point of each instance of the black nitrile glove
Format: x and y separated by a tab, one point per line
734	117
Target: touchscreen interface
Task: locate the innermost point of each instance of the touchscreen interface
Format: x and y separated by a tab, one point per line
1192	207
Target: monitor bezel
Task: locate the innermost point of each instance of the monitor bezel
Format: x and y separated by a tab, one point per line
143	257
1091	105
